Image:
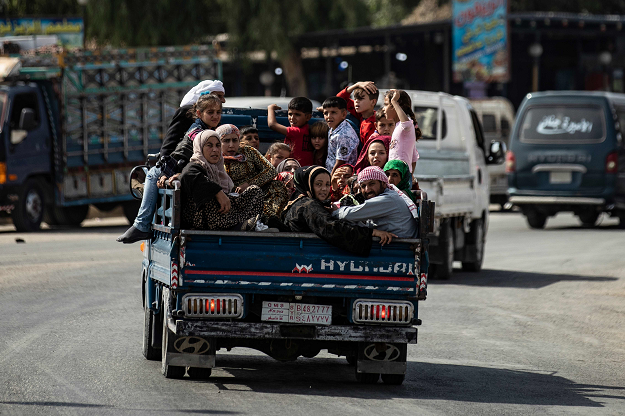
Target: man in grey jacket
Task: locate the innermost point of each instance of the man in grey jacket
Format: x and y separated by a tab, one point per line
383	208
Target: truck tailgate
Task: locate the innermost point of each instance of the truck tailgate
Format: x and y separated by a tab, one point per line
296	263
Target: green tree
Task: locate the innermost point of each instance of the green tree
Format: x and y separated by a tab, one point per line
157	23
19	8
274	25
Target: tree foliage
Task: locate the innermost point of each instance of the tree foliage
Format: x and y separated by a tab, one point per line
157	23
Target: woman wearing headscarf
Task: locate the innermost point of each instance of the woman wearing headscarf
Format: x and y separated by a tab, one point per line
399	175
247	167
374	153
207	201
306	212
288	165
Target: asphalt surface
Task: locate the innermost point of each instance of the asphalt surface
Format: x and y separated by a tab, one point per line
541	330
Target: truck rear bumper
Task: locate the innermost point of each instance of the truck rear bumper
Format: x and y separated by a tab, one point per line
555	200
351	333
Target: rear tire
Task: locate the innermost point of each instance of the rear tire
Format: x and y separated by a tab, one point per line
477	238
393	379
535	219
28	213
367	378
445	270
149	352
197	373
131	209
588	219
71	216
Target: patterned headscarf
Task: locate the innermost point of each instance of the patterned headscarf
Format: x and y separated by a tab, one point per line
225	130
406	183
372	173
216	171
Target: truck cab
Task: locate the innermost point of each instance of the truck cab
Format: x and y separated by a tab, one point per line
453	170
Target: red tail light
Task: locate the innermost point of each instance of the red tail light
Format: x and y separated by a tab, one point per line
510	162
611	163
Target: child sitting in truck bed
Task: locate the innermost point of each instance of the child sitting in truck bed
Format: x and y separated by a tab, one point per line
362	106
298	135
306	213
246	166
398	106
207	202
277	152
342	139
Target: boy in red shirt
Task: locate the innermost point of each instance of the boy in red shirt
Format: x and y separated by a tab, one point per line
362	106
298	135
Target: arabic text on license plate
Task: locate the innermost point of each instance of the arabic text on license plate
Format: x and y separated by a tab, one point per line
297	313
560	177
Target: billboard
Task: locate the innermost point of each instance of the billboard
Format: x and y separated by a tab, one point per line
480	41
69	32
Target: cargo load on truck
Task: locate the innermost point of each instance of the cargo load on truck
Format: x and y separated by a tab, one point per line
74	125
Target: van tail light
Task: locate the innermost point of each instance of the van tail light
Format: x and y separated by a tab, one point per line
510	162
611	163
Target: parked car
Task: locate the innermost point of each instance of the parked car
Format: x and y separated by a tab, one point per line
497	117
567	154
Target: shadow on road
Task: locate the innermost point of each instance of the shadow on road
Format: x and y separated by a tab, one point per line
103	406
514	278
426	381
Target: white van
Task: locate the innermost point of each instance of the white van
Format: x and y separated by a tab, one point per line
452	169
497	117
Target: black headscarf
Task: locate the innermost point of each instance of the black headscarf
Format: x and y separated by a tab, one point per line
304	179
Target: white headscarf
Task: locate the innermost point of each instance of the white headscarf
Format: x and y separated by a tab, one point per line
216	171
194	93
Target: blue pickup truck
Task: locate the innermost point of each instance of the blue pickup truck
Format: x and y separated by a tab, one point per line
73	125
285	294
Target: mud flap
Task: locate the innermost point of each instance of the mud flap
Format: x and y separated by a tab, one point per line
190	351
382	358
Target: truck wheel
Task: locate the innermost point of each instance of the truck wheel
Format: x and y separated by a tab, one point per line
199	373
28	214
476	238
621	218
149	352
588	219
445	270
169	371
535	219
367	378
71	216
393	379
131	209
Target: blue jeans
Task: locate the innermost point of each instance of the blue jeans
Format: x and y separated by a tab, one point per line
143	222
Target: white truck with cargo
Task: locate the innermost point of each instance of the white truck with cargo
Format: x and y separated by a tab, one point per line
453	171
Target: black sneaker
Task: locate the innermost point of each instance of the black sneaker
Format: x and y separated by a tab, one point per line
132	235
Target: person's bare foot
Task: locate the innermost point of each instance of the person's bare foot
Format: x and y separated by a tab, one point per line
132	235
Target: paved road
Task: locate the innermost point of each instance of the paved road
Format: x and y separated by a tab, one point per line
540	331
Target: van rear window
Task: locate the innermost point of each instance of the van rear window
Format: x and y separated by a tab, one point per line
427	118
563	124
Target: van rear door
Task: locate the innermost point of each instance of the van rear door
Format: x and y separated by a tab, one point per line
562	147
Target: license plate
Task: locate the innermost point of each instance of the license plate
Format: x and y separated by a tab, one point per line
560	177
296	313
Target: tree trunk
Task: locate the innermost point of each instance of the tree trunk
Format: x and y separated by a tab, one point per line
294	73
